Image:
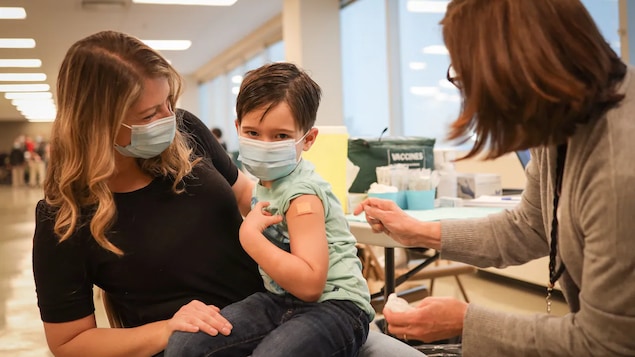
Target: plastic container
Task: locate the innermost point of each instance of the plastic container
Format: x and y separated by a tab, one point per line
397	197
447	181
420	200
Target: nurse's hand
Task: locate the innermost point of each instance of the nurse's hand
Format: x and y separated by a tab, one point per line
435	318
384	216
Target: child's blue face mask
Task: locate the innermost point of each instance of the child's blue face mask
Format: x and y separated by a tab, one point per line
268	160
149	140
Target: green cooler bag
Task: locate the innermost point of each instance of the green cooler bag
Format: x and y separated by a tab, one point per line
414	151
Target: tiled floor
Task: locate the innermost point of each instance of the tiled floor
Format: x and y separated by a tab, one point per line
21	333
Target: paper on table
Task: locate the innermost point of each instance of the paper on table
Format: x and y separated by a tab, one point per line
493	201
442	213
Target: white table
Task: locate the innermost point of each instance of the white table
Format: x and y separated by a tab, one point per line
364	234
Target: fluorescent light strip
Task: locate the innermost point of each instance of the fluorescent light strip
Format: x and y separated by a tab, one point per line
26	77
435	7
35	107
168	45
17	43
43	115
41	120
24	88
44	112
13	13
26	103
21	63
28	95
187	2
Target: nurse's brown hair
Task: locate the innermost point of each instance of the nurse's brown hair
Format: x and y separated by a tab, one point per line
529	71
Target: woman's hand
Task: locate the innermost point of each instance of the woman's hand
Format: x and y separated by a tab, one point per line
384	216
435	318
196	316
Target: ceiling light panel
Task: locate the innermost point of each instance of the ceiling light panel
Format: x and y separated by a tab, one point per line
17	43
21	63
187	2
169	45
13	13
37	110
46	119
22	77
37	102
24	87
28	95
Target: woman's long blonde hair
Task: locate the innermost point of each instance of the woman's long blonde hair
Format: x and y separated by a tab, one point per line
100	79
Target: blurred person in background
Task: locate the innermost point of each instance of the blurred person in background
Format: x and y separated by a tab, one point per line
218	134
17	163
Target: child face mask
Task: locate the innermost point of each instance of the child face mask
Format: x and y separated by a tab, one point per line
269	160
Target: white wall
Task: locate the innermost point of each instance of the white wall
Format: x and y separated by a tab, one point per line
190	99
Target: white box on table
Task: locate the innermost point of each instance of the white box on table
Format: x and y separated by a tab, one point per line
473	185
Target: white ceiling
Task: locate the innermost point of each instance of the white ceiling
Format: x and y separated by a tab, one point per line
57	24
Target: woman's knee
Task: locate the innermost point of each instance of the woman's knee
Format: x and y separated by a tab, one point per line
381	345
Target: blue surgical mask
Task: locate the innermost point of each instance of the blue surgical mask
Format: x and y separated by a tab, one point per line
149	140
268	160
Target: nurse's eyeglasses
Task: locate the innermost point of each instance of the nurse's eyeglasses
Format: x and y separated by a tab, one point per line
453	77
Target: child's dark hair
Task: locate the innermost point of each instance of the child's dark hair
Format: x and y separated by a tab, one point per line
279	82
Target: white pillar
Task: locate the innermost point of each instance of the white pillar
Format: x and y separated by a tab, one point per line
311	33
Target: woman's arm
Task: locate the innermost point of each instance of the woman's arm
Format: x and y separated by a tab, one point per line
243	189
303	271
597	247
82	337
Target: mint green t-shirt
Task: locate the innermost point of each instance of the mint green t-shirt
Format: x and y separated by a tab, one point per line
344	280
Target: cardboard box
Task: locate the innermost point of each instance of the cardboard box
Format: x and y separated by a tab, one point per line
470	185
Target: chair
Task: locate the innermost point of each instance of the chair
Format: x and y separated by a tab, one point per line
114	319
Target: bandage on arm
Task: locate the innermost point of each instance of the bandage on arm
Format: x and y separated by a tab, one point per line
303	208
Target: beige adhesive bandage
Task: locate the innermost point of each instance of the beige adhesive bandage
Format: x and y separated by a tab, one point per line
303	208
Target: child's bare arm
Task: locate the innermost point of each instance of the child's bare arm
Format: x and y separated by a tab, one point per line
303	271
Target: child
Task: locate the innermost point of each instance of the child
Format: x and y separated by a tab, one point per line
317	302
